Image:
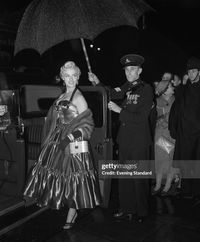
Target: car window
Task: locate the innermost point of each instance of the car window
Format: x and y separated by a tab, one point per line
95	103
36	101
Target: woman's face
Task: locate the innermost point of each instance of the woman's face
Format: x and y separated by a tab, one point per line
166	76
70	77
170	90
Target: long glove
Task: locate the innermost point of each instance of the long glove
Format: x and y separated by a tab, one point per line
74	135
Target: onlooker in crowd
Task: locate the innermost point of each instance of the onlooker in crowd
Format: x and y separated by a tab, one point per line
134	136
176	81
63	173
174	113
164	143
185	128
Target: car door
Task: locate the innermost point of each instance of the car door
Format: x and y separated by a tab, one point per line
101	140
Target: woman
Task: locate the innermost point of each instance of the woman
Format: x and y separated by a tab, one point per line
63	175
164	143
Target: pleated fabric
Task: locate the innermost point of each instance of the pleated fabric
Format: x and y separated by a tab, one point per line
59	178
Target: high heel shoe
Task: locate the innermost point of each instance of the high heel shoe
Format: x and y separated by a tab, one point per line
69	225
156	192
118	215
124	216
174	189
165	193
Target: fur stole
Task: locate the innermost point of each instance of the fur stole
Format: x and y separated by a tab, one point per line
83	121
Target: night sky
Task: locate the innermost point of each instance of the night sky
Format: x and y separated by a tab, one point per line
169	37
178	20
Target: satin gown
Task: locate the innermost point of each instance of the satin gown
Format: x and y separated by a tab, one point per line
59	178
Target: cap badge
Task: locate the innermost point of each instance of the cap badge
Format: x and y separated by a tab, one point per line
127	61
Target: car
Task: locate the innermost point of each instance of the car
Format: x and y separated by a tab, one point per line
20	138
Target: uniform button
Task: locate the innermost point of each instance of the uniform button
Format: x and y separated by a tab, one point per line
123	124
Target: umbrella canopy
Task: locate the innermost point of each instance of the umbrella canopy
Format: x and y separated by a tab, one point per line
46	23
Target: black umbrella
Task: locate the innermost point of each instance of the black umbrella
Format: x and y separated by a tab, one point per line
46	23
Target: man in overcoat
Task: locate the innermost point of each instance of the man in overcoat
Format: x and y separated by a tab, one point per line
184	125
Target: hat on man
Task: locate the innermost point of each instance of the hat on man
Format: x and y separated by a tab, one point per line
193	63
132	60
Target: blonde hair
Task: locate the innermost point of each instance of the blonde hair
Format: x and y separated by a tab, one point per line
69	65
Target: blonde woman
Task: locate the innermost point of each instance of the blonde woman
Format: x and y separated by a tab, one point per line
63	176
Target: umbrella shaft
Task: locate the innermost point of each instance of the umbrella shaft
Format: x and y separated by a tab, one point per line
86	55
87	58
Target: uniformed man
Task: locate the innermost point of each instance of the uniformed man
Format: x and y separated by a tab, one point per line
134	136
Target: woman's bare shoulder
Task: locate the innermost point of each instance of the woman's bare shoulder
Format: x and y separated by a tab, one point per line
80	101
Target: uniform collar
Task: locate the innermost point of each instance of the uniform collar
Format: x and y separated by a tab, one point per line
136	83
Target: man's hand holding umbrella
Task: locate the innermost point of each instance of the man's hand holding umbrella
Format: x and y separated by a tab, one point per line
93	78
95	81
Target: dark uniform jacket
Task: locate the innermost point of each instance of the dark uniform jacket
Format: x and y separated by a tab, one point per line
134	138
134	134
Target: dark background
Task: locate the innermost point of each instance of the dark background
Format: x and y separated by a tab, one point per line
166	38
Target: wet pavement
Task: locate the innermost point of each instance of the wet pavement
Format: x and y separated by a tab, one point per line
183	224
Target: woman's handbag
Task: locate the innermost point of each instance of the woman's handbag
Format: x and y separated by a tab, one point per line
78	147
165	144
